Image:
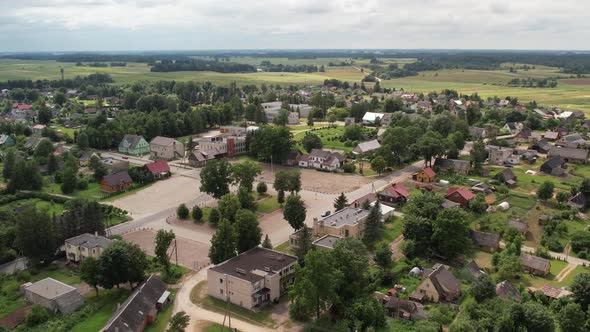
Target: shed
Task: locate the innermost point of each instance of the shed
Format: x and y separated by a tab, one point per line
53	295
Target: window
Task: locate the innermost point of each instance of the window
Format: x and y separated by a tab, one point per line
221	291
220	281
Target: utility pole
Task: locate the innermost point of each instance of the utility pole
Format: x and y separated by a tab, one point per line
227	310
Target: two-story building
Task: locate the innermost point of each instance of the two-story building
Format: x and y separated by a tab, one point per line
348	222
134	145
166	148
252	279
86	245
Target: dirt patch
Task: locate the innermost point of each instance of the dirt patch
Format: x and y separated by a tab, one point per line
191	254
15	318
576	82
323	182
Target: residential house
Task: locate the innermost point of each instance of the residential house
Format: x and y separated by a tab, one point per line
506	291
394	194
32	142
294	158
438	285
499	155
457	166
554	166
545	114
542	146
6	140
113	165
326	242
159	169
535	265
366	147
552	135
84	160
134	145
460	195
446	204
519	225
369	198
323	160
489	242
53	295
166	148
513	127
555	293
569	155
572	141
140	308
198	158
481	188
371	118
37	130
86	245
406	309
526	135
232	130
507	177
116	182
253	279
303	110
578	201
474	270
427	174
348	222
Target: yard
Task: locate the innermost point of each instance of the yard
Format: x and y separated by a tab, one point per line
163	318
268	204
105	305
330	138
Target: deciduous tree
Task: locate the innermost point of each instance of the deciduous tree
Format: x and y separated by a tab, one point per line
247	230
223	243
216	177
295	211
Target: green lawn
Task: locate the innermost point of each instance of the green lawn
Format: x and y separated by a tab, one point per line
268	205
106	304
51	207
284	247
556	267
330	138
214	327
259	318
163	318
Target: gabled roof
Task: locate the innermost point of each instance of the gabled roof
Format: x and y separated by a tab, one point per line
534	262
429	172
87	240
364	147
132	313
456	164
569	153
463	192
485	239
164	141
158	167
443	279
396	190
117	179
130	141
505	290
554	162
521	226
579	200
505	175
474	269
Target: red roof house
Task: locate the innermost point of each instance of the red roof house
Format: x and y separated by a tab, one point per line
425	175
460	195
158	168
396	193
21	107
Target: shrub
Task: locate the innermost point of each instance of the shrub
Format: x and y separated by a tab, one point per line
182	211
36	316
23	276
261	188
197	213
542	252
214	217
82	184
349	168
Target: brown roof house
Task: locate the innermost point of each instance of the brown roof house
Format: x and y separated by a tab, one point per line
141	307
366	147
405	309
53	295
554	166
507	177
570	155
394	194
460	195
474	270
438	285
519	225
452	165
578	201
489	242
535	265
506	291
116	182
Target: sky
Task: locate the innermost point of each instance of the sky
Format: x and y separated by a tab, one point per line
116	25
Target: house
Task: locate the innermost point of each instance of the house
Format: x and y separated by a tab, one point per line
452	165
371	118
394	194
116	182
507	177
294	158
572	141
446	204
513	127
134	145
53	295
499	155
460	195
506	291
526	135
293	118
113	165
406	309
37	129
32	142
535	265
86	245
326	242
348	222
84	160
481	188
554	293
438	285
519	225
323	160
489	242
6	140
198	158
542	146
140	308
294	237
166	148
570	155
366	199
159	169
253	279
366	147
474	270
427	174
578	201
552	135
554	166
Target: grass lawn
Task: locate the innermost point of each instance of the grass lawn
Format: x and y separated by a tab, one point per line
268	205
69	131
330	138
570	277
392	230
214	327
93	191
106	303
163	318
284	248
556	267
259	318
51	207
483	259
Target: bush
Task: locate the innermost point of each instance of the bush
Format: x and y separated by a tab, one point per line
542	252
261	188
197	213
82	184
23	276
581	241
214	217
182	211
349	168
36	316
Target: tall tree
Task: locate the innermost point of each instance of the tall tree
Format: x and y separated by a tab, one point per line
581	289
483	288
341	202
373	225
25	176
35	235
378	164
223	243
120	263
179	322
246	199
311	141
163	240
571	318
351	257
247	230
228	206
69	181
315	285
9	164
245	172
295	211
451	232
90	272
216	177
304	243
545	190
429	145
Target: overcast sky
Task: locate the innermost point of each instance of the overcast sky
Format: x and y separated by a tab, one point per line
81	25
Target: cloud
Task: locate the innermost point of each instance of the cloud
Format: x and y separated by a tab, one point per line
185	24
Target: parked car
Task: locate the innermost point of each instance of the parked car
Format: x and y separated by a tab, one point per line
325	214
